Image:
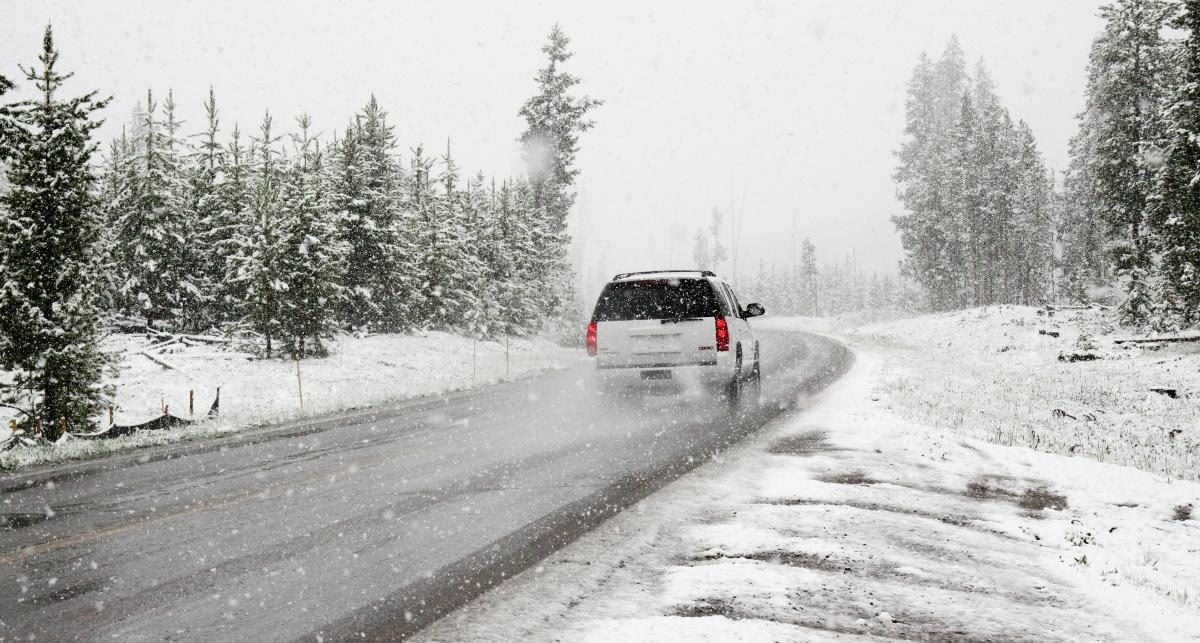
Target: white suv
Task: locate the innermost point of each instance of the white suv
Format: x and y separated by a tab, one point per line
682	325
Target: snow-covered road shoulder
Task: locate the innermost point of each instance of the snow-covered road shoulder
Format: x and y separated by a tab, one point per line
361	372
846	521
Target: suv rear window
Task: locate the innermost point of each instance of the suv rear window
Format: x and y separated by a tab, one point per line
656	299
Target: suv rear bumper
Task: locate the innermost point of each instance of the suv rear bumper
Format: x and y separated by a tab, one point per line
668	365
705	374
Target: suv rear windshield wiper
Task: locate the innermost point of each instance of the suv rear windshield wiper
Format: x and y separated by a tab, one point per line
676	320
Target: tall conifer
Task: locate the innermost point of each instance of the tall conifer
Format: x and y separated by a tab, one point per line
49	231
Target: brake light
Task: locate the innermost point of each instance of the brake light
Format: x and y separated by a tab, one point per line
591	339
722	334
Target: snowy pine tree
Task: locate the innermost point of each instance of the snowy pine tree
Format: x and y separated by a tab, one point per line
456	261
1121	135
479	241
1030	250
258	274
1177	215
554	119
809	302
205	175
977	227
154	226
8	126
366	192
310	258
229	224
49	232
930	245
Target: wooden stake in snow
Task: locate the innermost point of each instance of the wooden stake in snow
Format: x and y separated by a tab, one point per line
191	401
110	414
299	383
62	424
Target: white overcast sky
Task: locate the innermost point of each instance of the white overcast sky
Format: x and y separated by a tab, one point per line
783	111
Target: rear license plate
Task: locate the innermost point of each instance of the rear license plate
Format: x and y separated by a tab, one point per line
656	375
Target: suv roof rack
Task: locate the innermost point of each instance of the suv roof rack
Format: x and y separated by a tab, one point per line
702	273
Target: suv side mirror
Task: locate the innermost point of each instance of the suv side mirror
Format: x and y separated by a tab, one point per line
754	310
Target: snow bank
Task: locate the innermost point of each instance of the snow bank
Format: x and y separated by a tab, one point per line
360	372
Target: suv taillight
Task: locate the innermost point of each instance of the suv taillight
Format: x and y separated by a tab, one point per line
722	334
591	339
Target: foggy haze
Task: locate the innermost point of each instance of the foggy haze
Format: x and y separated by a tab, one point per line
785	115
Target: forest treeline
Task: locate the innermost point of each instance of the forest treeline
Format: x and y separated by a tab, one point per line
984	222
977	227
811	289
274	231
1131	197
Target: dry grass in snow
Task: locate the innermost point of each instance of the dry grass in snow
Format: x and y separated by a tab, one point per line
995	374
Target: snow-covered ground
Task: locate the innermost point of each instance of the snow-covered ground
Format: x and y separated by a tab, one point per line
995	373
856	519
360	372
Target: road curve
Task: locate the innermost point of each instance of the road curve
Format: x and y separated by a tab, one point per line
370	524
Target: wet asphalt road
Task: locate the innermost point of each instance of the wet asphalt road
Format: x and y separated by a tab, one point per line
369	524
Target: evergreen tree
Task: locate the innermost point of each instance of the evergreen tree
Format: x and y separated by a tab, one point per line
258	268
8	125
1127	68
366	192
962	221
183	200
810	303
974	191
701	251
205	175
115	182
49	231
929	229
479	241
994	232
1083	233
1177	216
719	253
524	300
1031	251
450	275
554	120
309	258
431	241
228	227
154	225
